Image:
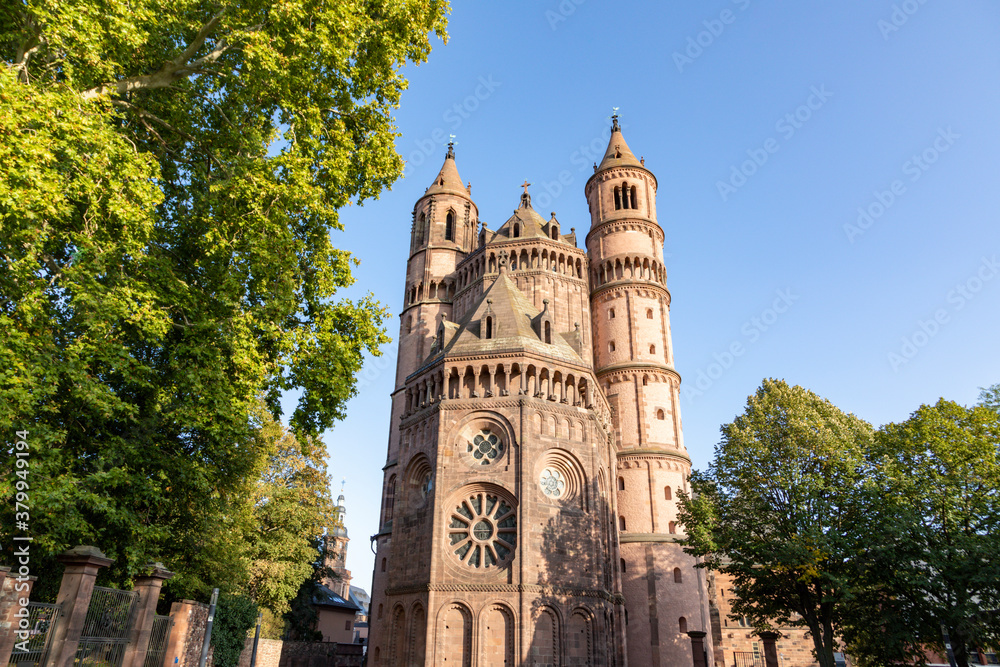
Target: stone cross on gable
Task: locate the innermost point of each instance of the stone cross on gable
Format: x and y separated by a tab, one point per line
503	260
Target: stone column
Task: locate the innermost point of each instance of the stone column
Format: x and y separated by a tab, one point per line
148	587
769	640
187	631
698	647
82	566
14	596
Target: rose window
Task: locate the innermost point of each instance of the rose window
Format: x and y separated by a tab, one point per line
486	447
553	483
483	530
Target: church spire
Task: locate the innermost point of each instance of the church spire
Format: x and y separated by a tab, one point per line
448	179
618	153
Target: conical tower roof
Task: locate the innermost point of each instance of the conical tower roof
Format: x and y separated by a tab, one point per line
618	153
448	181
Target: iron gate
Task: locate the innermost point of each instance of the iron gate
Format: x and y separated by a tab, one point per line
41	624
106	627
158	641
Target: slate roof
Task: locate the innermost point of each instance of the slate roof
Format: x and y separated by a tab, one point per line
324	597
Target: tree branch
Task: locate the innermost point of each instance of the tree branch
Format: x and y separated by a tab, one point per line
172	70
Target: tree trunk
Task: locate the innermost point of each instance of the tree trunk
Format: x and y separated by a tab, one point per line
959	646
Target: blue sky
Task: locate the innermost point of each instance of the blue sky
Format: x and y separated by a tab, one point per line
828	187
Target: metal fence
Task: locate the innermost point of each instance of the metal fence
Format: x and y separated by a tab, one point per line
106	627
158	641
747	659
42	620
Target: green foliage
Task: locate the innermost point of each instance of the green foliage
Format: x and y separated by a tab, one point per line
989	397
291	507
778	510
933	559
169	176
234	616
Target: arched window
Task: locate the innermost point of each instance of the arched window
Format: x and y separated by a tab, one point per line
611	313
668	494
449	227
555	233
660	414
621	483
517	230
634	200
611	346
649	313
623	565
672	527
626	617
682	623
548	333
677	576
409	324
645	380
390	499
489	327
625	201
621	523
652	349
420	229
618	198
383	565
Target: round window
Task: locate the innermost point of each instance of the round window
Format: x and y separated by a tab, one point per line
553	483
485	447
483	531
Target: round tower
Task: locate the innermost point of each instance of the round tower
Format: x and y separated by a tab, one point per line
443	231
665	596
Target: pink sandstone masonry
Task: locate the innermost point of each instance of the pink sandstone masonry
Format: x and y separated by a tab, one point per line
536	451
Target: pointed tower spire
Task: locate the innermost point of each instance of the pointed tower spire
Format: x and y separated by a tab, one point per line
448	180
618	153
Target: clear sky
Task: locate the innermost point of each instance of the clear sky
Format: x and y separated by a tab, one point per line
828	186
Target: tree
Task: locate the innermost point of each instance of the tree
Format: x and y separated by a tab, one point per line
933	563
234	616
778	510
989	397
291	508
169	176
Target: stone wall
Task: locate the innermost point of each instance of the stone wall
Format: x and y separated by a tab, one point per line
278	653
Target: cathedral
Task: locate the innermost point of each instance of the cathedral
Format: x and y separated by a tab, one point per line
535	455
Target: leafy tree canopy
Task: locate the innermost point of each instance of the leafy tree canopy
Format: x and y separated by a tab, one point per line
778	508
932	563
169	176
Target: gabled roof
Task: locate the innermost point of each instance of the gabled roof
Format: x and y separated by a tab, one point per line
513	328
324	597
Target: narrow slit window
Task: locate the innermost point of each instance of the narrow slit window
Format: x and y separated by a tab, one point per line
449	227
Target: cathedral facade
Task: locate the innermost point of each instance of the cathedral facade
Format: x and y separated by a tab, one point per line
535	453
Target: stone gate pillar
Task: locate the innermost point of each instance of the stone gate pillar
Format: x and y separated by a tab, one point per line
13	607
82	565
148	587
